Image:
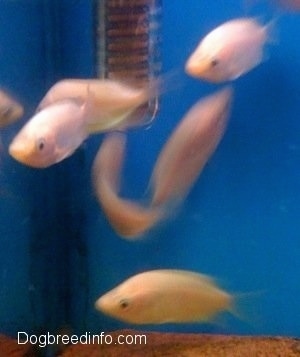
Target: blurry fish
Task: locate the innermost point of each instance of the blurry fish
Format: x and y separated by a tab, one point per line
164	296
190	146
114	103
10	110
229	51
51	135
109	160
128	218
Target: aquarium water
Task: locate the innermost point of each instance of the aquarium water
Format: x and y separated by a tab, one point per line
240	222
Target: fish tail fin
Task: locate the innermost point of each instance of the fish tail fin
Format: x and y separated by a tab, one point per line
271	29
165	82
158	86
244	307
171	80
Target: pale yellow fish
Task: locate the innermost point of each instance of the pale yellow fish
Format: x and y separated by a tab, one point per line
113	103
189	148
166	296
128	218
229	51
51	135
10	109
109	159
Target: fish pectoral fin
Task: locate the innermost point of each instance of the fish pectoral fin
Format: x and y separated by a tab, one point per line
107	122
116	120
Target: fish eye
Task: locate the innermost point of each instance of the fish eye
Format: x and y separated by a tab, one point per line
214	62
41	144
124	303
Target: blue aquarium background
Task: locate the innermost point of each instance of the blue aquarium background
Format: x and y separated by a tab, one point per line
239	224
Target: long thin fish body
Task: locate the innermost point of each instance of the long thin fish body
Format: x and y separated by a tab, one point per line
113	103
128	218
189	148
108	162
229	51
10	109
163	296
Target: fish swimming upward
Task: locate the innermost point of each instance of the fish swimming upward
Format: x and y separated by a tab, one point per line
52	134
177	167
229	51
166	296
113	103
10	109
189	148
128	218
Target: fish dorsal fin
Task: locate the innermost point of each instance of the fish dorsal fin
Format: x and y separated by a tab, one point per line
192	275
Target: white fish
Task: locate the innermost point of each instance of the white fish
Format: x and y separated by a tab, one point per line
189	147
10	109
164	296
229	51
128	218
113	103
51	135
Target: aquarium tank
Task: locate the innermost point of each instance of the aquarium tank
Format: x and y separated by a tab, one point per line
235	219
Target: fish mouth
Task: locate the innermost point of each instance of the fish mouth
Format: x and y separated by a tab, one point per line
20	152
204	70
101	304
197	68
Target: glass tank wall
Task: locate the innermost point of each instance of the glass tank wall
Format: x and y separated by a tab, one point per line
239	223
